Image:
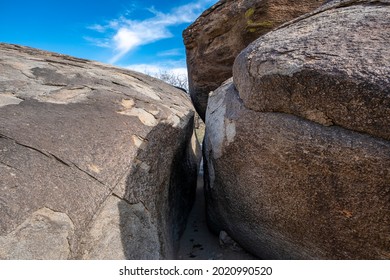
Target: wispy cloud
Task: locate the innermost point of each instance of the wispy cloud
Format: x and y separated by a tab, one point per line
97	28
172	52
124	34
111	25
103	43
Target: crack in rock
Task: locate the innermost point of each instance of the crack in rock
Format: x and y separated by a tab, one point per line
52	156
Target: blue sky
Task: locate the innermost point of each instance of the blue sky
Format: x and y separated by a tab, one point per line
144	35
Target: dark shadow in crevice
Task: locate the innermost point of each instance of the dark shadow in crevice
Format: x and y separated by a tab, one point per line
163	178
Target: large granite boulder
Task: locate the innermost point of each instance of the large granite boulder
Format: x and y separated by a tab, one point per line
96	162
298	145
215	39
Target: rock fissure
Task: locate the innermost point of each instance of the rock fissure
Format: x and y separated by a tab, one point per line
9	166
60	160
55	84
87	173
51	155
24	145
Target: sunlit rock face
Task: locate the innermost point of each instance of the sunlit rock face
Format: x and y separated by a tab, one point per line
215	39
96	162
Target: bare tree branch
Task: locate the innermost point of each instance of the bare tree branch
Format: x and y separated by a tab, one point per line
177	80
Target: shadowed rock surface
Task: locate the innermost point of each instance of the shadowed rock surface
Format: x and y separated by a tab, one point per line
96	162
297	147
215	39
199	243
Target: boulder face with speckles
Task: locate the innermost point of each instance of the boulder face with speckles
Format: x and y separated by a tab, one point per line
215	39
297	144
96	162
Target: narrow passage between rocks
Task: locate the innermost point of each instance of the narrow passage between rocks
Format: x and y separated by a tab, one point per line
198	243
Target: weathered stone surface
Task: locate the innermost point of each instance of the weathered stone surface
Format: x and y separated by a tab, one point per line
332	67
44	235
215	39
76	135
284	187
285	183
122	231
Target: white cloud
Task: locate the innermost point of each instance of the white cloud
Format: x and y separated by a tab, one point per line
128	34
125	40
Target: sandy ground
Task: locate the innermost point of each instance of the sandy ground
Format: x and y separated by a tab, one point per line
198	243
